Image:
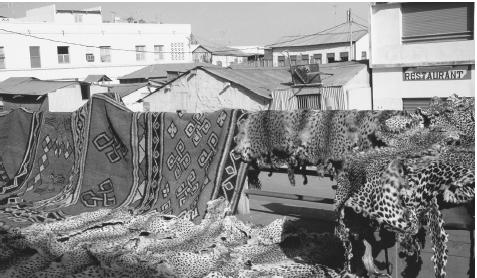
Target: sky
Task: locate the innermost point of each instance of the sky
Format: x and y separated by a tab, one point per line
224	23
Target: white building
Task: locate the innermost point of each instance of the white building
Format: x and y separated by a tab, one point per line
222	56
45	95
344	42
62	44
421	50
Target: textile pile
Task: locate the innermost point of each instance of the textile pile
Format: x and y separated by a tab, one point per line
393	168
115	243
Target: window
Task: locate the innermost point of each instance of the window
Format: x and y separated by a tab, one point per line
293	59
317	58
281	61
344	56
2	57
78	18
35	59
105	54
63	55
437	21
89	57
305	58
177	51
330	57
363	55
158	52
140	54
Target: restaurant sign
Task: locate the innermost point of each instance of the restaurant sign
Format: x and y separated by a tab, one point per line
436	73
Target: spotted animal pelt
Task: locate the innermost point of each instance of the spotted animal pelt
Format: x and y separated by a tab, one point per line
397	188
319	138
119	244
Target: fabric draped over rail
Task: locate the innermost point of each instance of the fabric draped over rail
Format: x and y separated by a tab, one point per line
318	98
105	156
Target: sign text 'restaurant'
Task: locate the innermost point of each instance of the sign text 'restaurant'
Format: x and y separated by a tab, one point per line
435	73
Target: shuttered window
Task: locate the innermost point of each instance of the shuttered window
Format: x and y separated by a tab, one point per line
411	104
437	21
35	59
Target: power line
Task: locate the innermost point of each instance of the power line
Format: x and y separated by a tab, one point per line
364	20
361	19
364	27
305	36
116	49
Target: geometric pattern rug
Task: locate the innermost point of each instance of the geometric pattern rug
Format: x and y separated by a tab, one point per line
104	156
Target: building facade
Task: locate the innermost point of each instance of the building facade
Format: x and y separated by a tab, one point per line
344	42
220	56
421	50
63	44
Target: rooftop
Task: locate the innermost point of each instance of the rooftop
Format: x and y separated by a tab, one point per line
224	51
96	78
337	34
261	81
338	74
31	86
160	70
125	89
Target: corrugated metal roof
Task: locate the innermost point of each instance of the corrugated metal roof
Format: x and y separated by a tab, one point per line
125	89
261	81
96	78
338	74
160	70
31	86
338	34
224	51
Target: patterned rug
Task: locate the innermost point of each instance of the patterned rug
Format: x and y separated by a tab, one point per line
104	156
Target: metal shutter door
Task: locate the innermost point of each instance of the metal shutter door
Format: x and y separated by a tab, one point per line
437	20
411	104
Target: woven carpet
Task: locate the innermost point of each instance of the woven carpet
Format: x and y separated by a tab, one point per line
104	156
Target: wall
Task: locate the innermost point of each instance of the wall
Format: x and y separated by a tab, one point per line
41	14
116	35
202	92
227	60
66	99
131	100
358	91
97	89
387	48
389	88
69	18
321	49
362	45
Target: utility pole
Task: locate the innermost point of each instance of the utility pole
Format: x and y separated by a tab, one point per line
350	34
